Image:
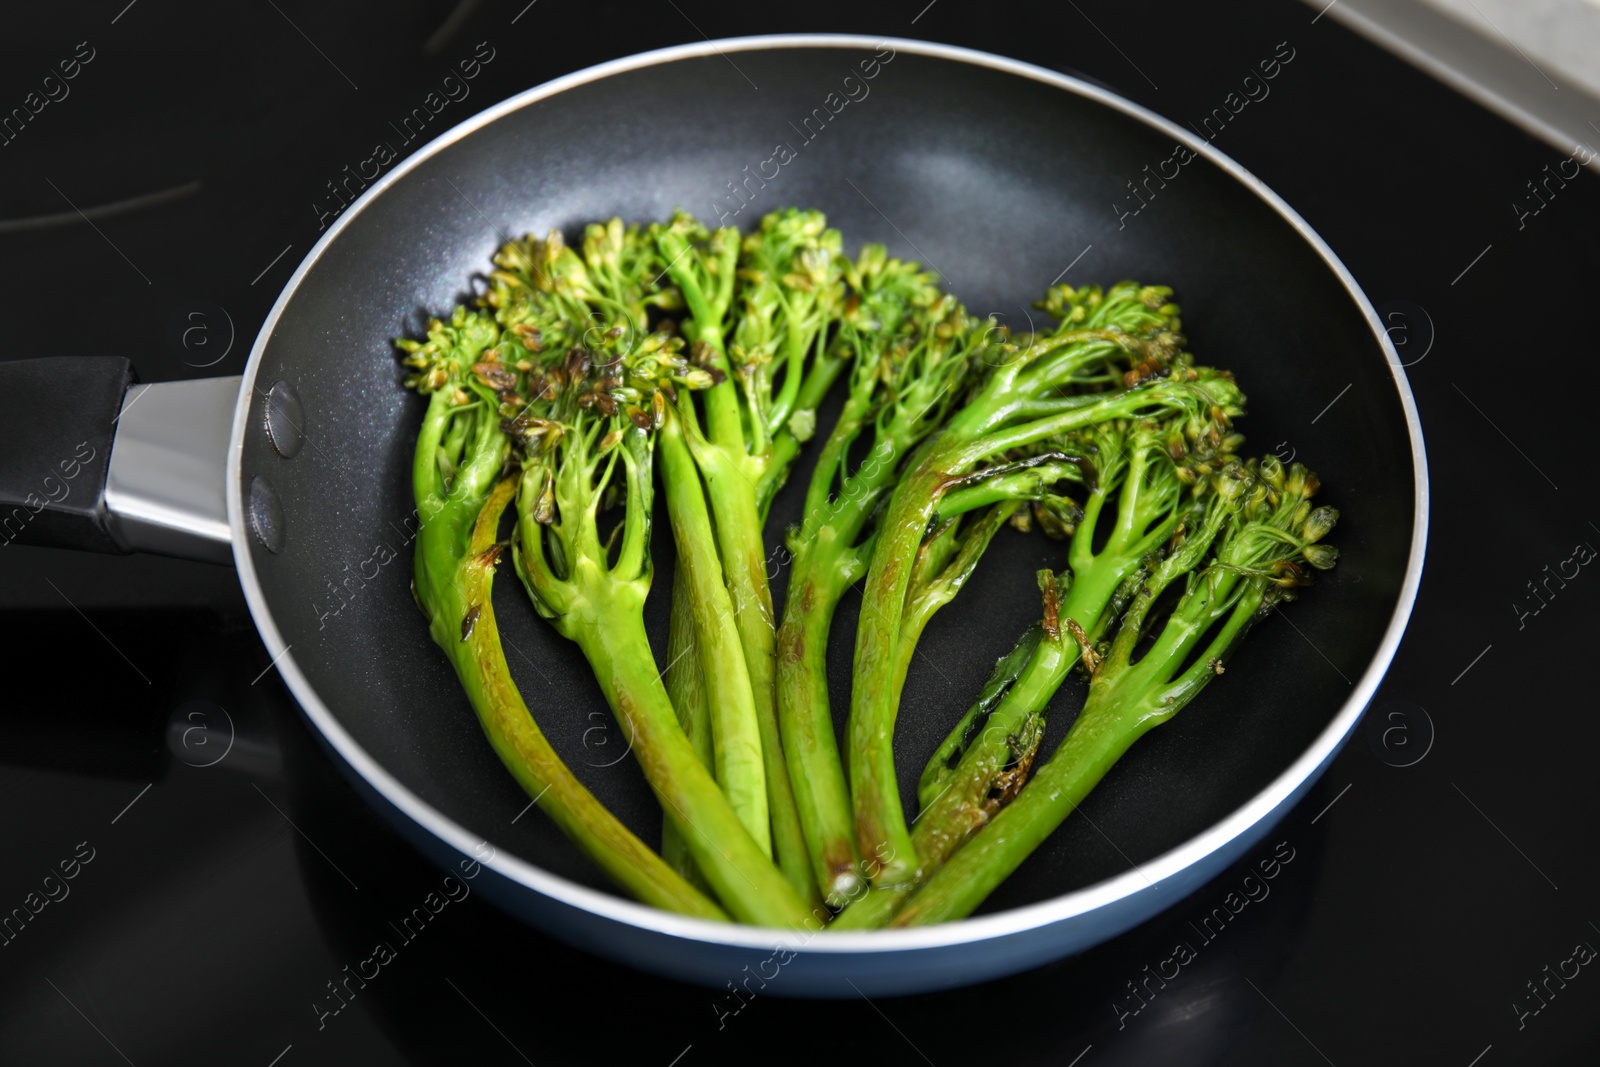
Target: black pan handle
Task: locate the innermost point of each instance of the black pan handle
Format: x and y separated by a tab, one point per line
57	421
90	461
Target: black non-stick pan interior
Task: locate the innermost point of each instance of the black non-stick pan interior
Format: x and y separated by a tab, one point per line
996	181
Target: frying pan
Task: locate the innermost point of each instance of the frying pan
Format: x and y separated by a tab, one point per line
999	175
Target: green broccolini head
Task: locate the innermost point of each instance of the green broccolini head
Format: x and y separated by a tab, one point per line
1126	305
1123	335
883	291
610	385
1146	472
898	329
1251	550
1251	543
582	384
1279	536
553	296
538	292
908	348
460	450
626	270
1133	452
925	372
445	359
790	271
915	350
702	260
584	435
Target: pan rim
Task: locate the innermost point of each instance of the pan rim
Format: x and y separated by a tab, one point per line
1068	906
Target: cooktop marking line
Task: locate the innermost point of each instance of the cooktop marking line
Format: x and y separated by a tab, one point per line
280	1055
490	1021
1479	1056
1332	802
302	833
264	270
102	211
1079	1056
121	13
524	11
313	44
1474	663
101	232
1288	1020
890	1021
1113	44
131	803
1474	262
97	629
1502	433
1502	833
90	1022
686	1048
1323	12
921	13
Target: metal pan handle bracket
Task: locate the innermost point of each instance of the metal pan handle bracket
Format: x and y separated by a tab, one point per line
88	461
166	490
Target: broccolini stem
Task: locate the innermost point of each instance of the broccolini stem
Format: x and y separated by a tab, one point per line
979	431
825	370
733	455
457	589
738	525
1260	522
735	727
738	869
880	821
995	766
983	774
982	765
1113	718
686	688
822	798
944	565
941	768
708	301
827	561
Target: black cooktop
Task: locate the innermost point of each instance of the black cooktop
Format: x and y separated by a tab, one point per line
1436	899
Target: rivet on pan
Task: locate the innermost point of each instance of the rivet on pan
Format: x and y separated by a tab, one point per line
266	515
285	419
